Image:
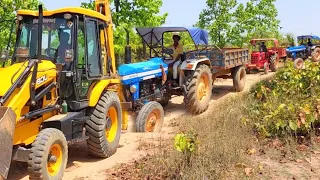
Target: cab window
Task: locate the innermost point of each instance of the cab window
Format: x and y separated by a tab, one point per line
92	49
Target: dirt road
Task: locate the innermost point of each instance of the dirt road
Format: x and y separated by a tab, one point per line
83	166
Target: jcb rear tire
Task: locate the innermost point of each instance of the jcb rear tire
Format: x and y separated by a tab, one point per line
150	118
50	145
104	126
239	78
194	98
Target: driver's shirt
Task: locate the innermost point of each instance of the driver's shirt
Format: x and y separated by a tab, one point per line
177	50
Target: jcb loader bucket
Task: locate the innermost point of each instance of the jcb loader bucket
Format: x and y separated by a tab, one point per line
7	126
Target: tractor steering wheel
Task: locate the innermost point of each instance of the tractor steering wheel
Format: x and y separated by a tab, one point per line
49	53
167	51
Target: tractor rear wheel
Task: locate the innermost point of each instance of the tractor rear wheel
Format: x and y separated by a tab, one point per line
239	78
274	63
49	155
150	118
198	89
104	126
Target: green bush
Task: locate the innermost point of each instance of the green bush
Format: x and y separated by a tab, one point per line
289	103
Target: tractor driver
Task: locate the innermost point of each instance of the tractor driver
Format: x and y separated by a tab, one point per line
263	47
177	53
64	45
309	42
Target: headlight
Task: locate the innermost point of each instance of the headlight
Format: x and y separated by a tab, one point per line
133	89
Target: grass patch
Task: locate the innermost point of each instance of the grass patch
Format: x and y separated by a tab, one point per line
221	142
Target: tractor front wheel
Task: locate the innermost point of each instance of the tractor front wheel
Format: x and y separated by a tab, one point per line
298	63
198	89
150	118
266	67
104	126
49	155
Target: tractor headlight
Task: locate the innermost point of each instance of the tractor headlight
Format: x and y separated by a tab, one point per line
133	89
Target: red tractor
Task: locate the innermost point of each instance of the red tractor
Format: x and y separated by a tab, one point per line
263	57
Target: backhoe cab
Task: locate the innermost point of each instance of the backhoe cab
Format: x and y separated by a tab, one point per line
59	85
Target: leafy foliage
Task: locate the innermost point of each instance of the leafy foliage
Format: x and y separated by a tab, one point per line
233	24
217	18
289	103
7	16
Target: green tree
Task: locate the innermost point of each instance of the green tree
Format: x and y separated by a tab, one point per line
256	19
133	13
7	16
217	18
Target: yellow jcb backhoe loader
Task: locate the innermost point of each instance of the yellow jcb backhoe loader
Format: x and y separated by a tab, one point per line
60	87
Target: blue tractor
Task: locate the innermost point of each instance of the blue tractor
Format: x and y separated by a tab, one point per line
148	85
305	48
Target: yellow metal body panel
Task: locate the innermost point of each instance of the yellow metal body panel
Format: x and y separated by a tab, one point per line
98	88
75	10
26	131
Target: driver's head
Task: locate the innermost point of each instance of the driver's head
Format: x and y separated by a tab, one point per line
176	38
309	39
262	43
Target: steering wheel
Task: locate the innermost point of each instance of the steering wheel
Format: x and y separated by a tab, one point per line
167	51
50	52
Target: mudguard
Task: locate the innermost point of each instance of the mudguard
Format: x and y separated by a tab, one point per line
7	126
191	64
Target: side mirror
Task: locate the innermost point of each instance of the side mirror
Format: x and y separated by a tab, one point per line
69	55
4	55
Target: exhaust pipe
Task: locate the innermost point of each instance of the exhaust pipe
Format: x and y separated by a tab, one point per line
128	57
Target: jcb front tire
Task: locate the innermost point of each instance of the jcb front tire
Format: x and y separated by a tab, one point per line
150	118
104	126
49	155
198	90
239	78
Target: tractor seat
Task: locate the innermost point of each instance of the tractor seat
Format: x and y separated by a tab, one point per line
141	67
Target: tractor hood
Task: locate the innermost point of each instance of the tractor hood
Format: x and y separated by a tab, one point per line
255	54
10	74
296	49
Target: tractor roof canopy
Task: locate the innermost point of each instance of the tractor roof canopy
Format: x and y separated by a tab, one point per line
153	36
72	10
308	37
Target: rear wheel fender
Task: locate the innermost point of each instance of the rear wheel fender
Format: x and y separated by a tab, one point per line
192	64
96	92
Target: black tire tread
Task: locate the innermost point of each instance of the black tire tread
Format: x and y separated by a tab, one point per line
191	82
144	113
37	162
95	127
237	84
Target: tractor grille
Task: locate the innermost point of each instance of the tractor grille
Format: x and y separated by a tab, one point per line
254	58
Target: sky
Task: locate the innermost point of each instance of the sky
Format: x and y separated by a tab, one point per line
296	16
